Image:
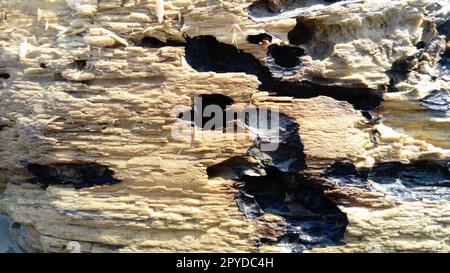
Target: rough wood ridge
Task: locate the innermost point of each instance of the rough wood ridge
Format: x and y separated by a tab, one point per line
90	91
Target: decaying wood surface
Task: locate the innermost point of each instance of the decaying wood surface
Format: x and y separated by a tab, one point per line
90	86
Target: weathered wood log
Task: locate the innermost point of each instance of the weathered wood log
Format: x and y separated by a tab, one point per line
102	140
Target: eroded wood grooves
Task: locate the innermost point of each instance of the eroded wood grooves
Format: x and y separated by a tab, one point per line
90	92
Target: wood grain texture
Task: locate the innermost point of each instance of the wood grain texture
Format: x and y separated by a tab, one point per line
84	86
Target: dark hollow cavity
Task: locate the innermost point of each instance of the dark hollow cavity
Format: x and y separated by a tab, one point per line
421	45
285	56
360	98
77	175
311	219
4	75
283	61
367	115
405	64
234	168
152	42
400	70
259	38
205	53
300	34
346	174
202	102
280	147
272	183
80	64
413	181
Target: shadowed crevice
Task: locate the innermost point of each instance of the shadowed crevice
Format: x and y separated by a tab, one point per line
286	56
272	186
259	38
414	181
302	33
205	54
80	64
360	98
307	219
77	175
4	75
152	42
284	61
444	28
199	114
280	147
